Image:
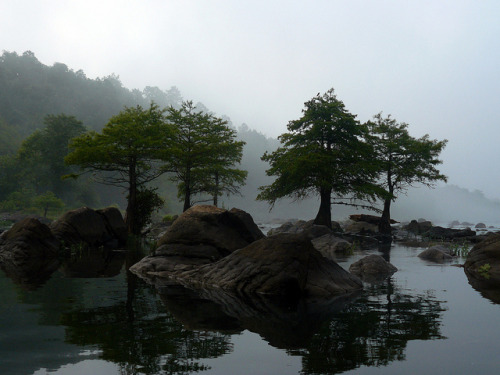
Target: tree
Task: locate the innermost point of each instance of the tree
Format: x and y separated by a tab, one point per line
403	159
41	155
203	155
126	154
48	201
325	153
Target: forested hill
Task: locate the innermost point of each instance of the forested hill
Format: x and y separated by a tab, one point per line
30	90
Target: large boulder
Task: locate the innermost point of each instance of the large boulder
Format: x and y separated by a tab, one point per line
280	265
28	239
94	228
299	226
29	253
203	234
372	268
436	253
372	219
438	232
329	245
483	260
225	230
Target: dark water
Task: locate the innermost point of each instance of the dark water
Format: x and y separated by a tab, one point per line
90	317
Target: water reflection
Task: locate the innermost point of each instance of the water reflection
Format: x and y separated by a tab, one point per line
120	319
488	288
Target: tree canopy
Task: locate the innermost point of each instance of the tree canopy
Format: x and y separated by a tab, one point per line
126	154
203	155
403	160
324	152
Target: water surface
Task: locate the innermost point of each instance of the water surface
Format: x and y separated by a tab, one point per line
426	318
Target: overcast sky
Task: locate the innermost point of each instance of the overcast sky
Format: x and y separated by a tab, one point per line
432	64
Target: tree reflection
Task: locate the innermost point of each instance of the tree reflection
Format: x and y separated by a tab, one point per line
373	331
141	337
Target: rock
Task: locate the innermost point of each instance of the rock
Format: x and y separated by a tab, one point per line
299	226
208	225
28	240
418	227
280	265
94	228
371	219
483	260
361	227
436	254
438	232
329	244
201	235
372	268
480	226
454	223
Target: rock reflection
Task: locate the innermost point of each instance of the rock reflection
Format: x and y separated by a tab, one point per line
333	336
488	288
283	323
372	331
32	274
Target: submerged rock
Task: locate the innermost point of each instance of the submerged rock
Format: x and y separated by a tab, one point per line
372	268
436	254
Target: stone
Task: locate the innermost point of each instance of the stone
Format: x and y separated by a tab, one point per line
225	230
372	267
84	225
299	226
361	227
279	265
480	226
483	261
329	244
441	233
436	254
27	239
372	219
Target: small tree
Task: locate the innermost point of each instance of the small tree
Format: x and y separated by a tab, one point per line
403	160
325	153
47	202
126	154
203	155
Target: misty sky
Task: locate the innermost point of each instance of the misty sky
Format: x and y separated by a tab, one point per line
432	64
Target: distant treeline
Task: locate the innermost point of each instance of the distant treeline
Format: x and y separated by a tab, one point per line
30	90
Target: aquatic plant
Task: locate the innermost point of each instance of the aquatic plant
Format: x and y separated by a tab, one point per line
484	270
461	250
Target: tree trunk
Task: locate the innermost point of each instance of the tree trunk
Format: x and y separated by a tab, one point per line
324	216
131	212
216	189
384	225
187	189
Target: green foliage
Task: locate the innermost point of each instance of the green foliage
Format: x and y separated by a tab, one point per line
126	154
48	202
403	160
484	270
325	153
203	155
18	201
461	250
148	202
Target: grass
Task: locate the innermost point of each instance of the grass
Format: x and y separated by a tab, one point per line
484	270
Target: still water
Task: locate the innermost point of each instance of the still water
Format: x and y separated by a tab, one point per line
92	317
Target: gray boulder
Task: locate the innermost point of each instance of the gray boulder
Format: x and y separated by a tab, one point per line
280	265
328	245
28	240
203	234
94	228
436	254
372	267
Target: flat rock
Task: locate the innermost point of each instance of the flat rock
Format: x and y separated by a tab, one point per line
280	265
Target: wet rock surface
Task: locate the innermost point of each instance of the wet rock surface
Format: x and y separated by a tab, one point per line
483	261
280	265
372	268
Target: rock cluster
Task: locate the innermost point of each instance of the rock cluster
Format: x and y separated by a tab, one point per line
210	248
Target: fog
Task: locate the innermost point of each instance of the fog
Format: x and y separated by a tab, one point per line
433	65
